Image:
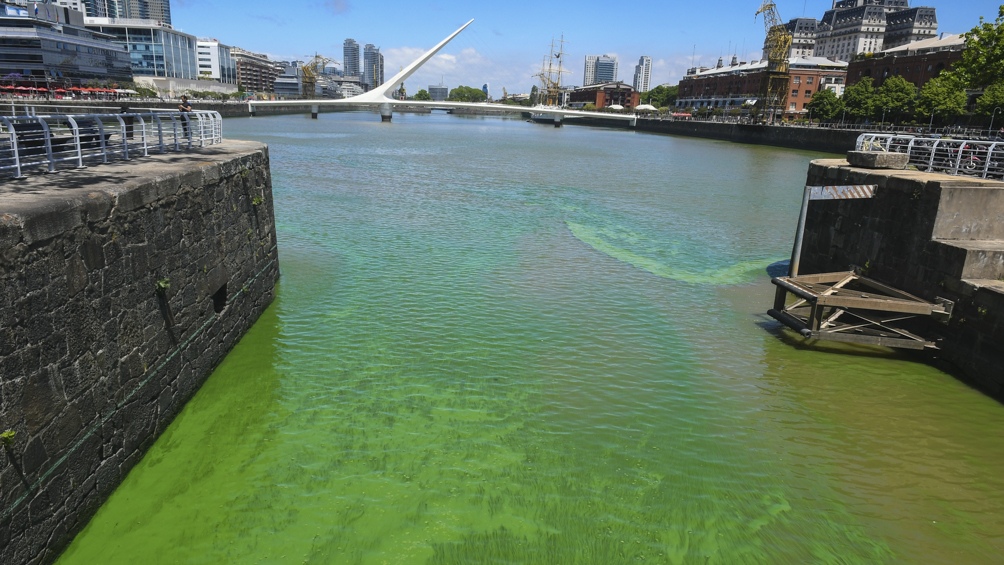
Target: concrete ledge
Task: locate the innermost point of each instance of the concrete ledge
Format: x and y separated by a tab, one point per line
878	160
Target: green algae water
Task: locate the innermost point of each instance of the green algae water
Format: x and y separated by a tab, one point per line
497	342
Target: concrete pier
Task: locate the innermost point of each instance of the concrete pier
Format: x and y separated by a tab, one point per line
929	234
121	287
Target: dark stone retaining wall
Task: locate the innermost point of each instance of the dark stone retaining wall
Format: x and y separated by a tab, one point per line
826	140
118	297
931	235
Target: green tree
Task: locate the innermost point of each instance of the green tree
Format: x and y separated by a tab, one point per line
423	95
859	98
825	105
942	97
982	62
661	96
466	94
991	99
896	99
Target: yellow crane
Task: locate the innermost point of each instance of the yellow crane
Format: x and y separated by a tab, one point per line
774	86
310	71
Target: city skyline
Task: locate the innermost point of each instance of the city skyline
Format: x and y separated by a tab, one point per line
506	48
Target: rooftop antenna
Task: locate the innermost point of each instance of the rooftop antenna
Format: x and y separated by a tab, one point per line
693	55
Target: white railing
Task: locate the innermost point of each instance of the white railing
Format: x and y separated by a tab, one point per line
978	158
73	140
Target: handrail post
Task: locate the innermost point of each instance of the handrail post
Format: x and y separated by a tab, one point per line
125	139
75	129
47	138
13	145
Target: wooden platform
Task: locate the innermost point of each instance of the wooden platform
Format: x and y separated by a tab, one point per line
851	308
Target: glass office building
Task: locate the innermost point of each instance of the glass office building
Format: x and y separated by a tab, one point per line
154	50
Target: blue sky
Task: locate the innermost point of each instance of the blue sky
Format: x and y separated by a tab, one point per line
508	40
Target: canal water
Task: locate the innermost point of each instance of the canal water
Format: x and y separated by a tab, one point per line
499	342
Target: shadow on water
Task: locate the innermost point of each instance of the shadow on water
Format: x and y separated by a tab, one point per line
779	269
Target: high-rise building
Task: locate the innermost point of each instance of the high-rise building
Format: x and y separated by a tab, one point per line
216	61
643	74
157	10
372	66
853	27
350	58
439	92
55	49
77	5
156	50
255	72
599	69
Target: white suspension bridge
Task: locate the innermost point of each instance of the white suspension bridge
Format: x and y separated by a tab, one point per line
380	97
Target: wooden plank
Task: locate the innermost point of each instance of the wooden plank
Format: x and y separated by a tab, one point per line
901	306
888	290
828	278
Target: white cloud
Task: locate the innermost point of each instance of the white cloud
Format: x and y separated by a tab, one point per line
467	67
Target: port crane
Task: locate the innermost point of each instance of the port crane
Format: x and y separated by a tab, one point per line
777	46
310	71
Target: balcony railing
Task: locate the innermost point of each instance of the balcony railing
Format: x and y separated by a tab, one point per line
62	140
979	158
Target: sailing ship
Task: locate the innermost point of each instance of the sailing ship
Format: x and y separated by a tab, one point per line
549	94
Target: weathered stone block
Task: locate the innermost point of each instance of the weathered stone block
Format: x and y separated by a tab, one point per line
876	160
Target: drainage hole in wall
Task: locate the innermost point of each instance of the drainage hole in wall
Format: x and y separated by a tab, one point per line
220	299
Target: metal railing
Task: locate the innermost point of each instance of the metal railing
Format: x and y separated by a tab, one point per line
73	140
979	158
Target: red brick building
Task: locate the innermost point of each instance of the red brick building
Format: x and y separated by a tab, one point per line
604	95
917	62
730	87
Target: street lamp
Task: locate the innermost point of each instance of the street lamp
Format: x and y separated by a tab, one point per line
884	110
930	126
842	115
992	116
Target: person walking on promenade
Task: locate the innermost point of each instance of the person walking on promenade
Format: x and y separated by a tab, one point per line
185	107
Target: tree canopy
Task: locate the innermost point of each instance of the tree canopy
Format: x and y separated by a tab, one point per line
826	105
942	97
982	62
662	96
423	95
466	94
992	99
896	98
859	98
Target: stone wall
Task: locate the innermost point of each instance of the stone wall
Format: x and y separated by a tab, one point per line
826	140
931	235
121	288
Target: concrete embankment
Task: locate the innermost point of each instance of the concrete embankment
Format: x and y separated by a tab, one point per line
121	287
932	235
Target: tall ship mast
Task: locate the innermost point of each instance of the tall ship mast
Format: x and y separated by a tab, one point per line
550	74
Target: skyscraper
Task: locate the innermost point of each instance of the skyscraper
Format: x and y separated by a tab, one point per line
350	58
157	10
372	66
599	69
643	74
